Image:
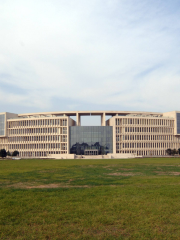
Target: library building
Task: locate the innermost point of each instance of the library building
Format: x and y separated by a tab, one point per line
122	134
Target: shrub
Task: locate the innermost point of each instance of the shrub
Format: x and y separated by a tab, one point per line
8	153
168	151
3	153
15	153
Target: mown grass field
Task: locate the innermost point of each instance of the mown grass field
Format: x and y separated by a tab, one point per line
90	199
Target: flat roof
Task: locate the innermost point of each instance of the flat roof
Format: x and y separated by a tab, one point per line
89	113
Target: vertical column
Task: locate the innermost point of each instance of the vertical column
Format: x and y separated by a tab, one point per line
68	135
103	119
5	124
114	135
78	119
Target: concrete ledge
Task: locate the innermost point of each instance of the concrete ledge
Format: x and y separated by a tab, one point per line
108	156
61	156
122	155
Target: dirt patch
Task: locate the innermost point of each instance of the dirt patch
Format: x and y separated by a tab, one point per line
18	185
57	186
124	174
161	173
110	166
175	173
71	180
169	165
53	185
168	173
47	171
88	166
125	169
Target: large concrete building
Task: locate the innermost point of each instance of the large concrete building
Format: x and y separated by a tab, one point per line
57	134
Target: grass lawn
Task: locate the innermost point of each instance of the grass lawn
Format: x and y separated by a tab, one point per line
90	199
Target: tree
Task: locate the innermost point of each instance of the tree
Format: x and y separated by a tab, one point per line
8	153
3	153
15	153
179	151
174	151
168	151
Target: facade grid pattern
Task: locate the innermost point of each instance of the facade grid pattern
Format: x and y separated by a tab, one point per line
145	136
37	138
48	134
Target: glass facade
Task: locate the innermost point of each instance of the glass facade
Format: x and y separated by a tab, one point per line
178	122
84	138
2	124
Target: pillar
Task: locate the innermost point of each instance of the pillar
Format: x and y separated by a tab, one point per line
78	119
103	119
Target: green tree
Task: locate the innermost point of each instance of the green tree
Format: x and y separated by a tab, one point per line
3	153
168	151
174	151
8	153
179	151
15	153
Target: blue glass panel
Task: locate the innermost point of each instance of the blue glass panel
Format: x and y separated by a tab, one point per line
2	124
91	137
178	122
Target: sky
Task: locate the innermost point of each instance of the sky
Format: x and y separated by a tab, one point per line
58	55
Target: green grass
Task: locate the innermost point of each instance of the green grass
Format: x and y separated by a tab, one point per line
90	199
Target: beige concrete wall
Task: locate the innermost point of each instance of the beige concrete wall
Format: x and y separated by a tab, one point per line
122	156
111	122
108	156
143	134
39	136
61	156
172	115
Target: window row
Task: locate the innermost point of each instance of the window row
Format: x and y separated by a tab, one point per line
142	121
62	138
34	123
145	145
145	153
19	147
146	137
145	129
40	154
21	131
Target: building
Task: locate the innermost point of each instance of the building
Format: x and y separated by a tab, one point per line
57	134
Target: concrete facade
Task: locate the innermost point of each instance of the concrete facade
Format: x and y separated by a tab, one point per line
47	134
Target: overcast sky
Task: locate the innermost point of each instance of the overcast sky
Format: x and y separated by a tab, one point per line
89	55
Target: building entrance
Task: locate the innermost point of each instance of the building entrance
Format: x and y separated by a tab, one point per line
91	152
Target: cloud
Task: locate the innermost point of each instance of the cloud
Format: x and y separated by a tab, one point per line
121	55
